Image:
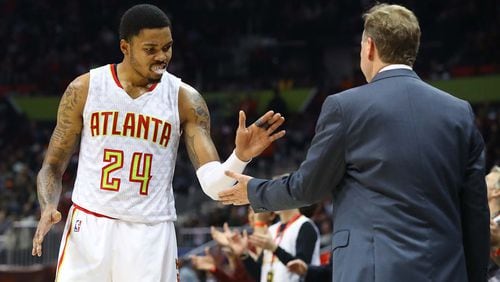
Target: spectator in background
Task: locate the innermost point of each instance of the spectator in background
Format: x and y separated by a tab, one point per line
209	264
294	236
259	223
493	184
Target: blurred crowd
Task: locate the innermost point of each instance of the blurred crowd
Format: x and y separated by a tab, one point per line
236	44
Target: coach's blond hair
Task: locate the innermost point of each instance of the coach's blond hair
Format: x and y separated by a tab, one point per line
395	31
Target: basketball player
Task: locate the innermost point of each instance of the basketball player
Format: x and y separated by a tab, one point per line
129	118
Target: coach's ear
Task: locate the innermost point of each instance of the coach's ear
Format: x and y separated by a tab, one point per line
124	46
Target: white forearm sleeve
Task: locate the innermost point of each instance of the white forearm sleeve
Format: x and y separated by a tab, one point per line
213	179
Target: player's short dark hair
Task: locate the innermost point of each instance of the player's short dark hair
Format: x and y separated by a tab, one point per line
140	17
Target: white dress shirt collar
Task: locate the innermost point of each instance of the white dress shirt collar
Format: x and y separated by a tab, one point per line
395	66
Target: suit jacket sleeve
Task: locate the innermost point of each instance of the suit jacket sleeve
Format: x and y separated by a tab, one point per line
318	174
474	210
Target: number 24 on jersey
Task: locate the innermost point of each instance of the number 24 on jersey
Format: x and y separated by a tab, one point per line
140	170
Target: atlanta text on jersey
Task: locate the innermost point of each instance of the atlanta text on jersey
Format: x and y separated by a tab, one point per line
133	125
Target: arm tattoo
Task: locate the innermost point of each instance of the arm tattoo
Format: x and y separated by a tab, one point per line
189	140
49	186
200	111
66	108
62	144
201	114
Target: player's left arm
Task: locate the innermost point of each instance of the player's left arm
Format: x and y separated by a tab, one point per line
250	141
195	122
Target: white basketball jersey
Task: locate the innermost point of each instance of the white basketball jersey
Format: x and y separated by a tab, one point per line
288	243
128	149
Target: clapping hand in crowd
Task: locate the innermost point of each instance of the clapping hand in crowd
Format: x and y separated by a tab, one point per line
205	263
221	237
263	240
238	242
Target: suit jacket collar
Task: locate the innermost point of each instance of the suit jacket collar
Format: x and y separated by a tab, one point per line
394	73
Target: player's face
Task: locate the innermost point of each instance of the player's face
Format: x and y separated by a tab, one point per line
150	52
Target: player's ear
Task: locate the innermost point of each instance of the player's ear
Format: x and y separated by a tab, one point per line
124	46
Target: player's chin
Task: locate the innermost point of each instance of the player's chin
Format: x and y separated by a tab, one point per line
155	77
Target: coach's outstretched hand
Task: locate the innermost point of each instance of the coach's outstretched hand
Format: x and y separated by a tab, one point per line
238	194
49	217
251	141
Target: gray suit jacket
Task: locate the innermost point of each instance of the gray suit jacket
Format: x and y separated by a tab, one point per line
405	164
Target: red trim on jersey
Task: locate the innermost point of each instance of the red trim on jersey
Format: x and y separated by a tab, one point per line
91	212
152	87
115	75
114	72
65	242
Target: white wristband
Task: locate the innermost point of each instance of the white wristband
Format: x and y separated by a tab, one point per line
212	175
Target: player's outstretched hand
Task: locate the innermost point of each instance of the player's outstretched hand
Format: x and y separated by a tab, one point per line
49	217
253	140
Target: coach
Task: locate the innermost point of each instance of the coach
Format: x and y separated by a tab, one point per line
404	162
